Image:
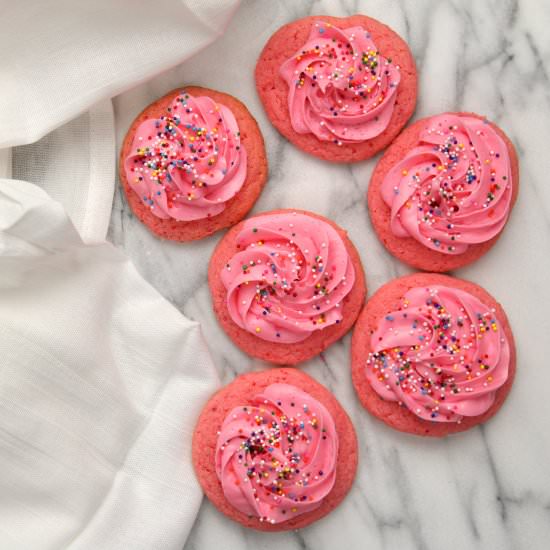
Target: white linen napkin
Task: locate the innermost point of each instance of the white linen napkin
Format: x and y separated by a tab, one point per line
101	382
75	165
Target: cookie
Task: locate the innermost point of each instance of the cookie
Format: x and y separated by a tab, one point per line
286	284
432	355
442	193
274	450
340	89
192	163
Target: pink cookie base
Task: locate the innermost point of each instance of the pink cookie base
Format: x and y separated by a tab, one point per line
237	207
407	249
388	299
283	354
273	90
238	393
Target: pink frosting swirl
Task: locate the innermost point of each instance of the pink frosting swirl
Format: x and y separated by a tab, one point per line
276	457
454	188
443	355
289	278
188	164
340	88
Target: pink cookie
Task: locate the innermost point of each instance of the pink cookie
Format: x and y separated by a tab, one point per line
386	308
374	114
330	308
412	250
207	166
241	393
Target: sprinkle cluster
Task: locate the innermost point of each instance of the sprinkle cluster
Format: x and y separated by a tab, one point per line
442	354
279	454
288	278
271	286
452	189
188	163
340	87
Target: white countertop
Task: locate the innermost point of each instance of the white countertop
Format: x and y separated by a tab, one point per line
487	488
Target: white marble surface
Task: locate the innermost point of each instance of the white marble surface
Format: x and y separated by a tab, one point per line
488	488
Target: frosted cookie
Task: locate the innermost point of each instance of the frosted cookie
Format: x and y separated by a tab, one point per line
274	450
286	284
340	89
192	163
442	193
432	355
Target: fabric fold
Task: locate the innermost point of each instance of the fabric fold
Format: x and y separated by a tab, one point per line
107	46
100	385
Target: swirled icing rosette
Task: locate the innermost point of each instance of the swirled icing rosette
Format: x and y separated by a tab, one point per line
276	456
453	189
187	164
274	450
340	88
443	354
289	277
